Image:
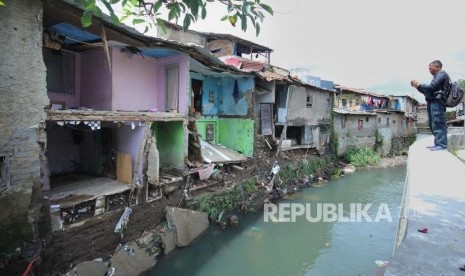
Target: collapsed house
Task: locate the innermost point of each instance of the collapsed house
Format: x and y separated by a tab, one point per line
120	122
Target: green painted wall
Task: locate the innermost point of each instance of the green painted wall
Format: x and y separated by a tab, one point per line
202	128
170	143
236	134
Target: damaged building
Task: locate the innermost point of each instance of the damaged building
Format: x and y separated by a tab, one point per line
363	119
297	113
121	115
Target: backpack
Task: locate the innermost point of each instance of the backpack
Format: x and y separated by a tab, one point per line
454	94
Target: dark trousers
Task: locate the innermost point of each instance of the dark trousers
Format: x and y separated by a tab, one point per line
437	122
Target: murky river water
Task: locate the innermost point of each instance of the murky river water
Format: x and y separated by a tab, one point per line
304	248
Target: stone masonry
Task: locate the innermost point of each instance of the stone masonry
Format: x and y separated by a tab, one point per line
23	98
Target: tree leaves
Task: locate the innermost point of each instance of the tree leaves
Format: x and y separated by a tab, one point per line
266	8
86	19
2	4
247	12
148	12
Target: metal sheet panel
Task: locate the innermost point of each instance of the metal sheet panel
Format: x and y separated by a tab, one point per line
219	154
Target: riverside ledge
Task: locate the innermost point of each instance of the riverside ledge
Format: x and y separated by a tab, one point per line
434	198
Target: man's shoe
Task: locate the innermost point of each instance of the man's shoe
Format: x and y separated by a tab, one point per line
430	147
437	148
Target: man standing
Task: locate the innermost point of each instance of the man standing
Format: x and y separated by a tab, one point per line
436	105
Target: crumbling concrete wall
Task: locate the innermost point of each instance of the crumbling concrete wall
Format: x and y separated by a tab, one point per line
316	111
187	224
23	96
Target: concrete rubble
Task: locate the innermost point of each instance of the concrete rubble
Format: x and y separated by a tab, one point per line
132	260
186	224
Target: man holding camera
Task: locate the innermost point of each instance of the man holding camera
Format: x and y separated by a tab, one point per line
436	105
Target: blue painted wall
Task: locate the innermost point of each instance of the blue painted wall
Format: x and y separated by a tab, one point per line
211	96
226	96
236	96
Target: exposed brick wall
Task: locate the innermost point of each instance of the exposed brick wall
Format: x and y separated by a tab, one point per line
23	97
226	46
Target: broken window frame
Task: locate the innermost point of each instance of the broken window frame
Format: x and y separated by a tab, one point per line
309	100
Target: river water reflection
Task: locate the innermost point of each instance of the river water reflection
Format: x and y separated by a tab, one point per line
302	248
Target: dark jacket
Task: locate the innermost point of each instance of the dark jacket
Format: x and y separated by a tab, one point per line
435	90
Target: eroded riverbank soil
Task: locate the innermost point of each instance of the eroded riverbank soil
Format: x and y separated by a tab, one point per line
96	238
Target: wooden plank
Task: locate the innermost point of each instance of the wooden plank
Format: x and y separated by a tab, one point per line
80	115
123	167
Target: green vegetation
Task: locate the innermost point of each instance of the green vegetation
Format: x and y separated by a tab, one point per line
337	172
304	168
249	186
362	157
378	142
153	246
215	203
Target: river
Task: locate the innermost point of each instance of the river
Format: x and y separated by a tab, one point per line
257	247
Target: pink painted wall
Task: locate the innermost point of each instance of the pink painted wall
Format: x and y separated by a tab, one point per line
134	82
71	101
95	81
129	140
183	61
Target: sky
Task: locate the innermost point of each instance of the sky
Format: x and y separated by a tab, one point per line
376	45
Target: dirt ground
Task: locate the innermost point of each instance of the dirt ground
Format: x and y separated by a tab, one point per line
96	239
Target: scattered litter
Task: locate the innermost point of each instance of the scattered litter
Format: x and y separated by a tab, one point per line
204	172
268	144
237	167
424	230
129	250
220	216
111	271
275	169
233	220
123	220
380	263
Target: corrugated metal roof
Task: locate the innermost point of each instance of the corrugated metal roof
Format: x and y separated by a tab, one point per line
353	112
219	154
244	64
360	91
